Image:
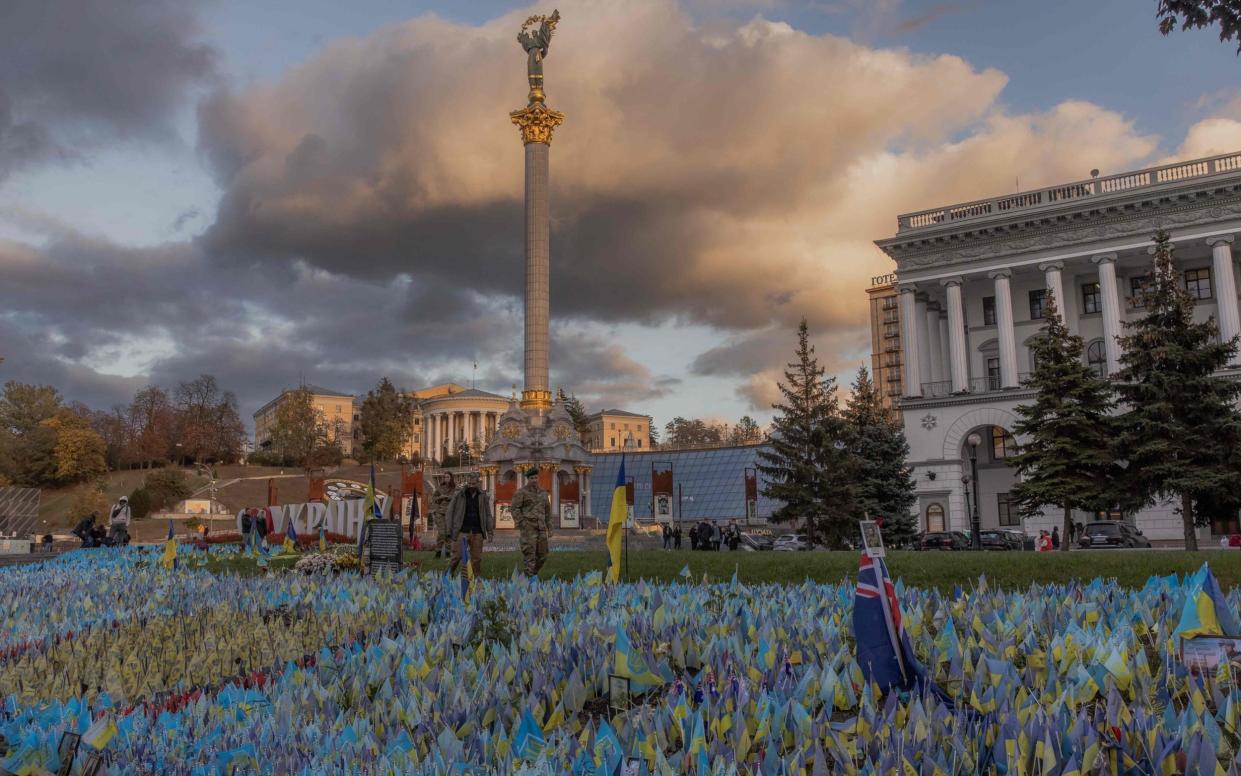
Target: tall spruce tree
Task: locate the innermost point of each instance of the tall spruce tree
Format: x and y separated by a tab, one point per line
1181	429
885	486
1066	460
808	467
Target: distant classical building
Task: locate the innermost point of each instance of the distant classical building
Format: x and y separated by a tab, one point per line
449	416
335	411
619	430
990	265
885	337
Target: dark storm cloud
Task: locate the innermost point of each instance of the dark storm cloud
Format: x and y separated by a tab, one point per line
78	73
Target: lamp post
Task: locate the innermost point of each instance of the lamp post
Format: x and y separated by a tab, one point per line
974	440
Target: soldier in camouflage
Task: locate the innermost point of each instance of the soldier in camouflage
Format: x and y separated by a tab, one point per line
445	488
532	514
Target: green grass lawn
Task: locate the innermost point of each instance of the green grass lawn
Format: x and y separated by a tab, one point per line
924	569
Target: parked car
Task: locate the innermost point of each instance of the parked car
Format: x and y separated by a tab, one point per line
1111	534
790	543
944	540
995	540
1018	539
756	543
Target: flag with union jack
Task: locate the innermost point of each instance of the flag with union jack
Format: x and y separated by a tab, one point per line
884	651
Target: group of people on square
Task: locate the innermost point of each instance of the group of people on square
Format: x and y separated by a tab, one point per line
706	535
463	517
115	534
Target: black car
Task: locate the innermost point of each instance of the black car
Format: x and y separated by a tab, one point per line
944	540
995	540
1111	534
756	543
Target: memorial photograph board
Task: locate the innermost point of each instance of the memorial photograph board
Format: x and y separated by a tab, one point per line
383	545
1207	653
872	538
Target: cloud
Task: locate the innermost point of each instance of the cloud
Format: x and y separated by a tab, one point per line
730	175
75	74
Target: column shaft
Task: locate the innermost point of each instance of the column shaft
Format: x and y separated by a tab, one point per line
936	344
924	339
1111	310
956	337
909	343
1225	289
1055	287
538	238
1004	325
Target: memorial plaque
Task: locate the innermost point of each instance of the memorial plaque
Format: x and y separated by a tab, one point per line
383	545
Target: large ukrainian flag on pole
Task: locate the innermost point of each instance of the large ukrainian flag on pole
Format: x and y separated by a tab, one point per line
616	524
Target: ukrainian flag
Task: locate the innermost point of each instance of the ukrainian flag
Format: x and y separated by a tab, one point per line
371	509
616	524
169	558
290	536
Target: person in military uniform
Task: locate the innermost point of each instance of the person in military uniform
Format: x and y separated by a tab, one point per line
532	514
470	519
445	488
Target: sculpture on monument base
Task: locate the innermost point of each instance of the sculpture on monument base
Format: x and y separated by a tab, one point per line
536	43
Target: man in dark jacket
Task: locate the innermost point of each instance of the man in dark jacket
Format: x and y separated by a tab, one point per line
470	518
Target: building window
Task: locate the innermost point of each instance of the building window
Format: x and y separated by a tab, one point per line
612	442
892	330
935	518
1091	302
988	311
1005	510
639	443
1002	444
1096	358
993	374
1038	301
1137	287
1198	283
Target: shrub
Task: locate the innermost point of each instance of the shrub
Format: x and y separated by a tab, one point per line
166	487
91	497
140	503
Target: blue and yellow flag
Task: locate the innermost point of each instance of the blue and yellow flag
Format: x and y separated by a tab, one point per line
631	665
616	523
169	558
290	536
467	569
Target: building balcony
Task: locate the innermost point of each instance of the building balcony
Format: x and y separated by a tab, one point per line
890	303
978	386
1150	177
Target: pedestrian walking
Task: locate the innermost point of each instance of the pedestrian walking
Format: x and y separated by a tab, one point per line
532	513
667	531
445	489
676	538
1055	537
118	524
470	519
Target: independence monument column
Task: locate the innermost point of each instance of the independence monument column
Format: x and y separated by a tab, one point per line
536	122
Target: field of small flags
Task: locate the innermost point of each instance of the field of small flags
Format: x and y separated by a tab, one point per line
186	671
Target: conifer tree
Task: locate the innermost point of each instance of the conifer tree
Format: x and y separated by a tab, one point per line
1181	429
1066	458
885	487
808	468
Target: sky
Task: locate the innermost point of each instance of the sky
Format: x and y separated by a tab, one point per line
278	192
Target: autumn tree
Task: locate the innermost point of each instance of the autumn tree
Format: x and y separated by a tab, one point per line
386	422
299	428
208	425
746	432
79	451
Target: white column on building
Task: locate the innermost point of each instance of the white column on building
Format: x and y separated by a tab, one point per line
935	344
924	337
1055	286
1225	288
911	325
445	439
956	336
428	436
1004	327
1110	298
945	370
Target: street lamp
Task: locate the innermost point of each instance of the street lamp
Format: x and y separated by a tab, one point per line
974	440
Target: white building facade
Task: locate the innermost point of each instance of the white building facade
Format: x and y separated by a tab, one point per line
973	280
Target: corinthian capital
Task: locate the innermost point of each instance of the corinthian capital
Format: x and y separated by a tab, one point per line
536	123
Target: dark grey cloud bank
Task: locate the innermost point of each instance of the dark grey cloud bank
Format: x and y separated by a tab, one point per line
76	74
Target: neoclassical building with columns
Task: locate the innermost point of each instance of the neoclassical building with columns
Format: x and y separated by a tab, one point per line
973	280
450	416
